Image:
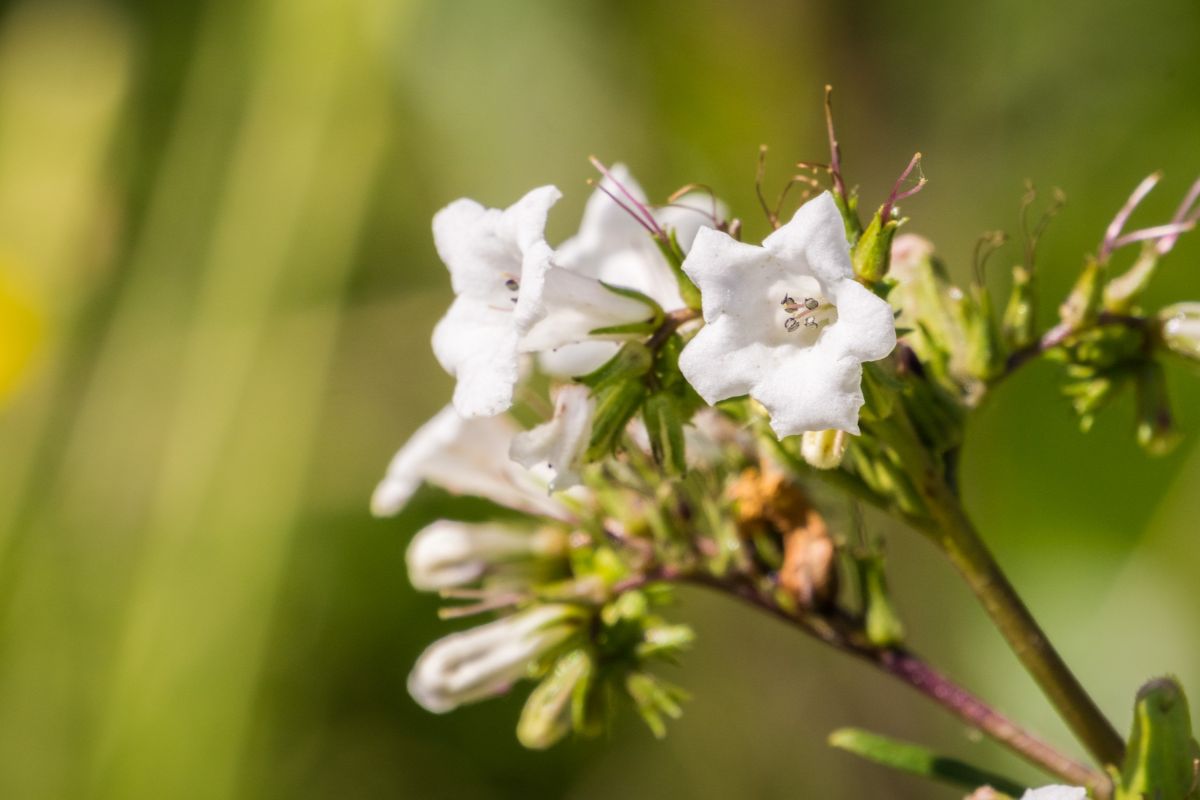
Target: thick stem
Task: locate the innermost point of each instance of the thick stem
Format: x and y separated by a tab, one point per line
956	536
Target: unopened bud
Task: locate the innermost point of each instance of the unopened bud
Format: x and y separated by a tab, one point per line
1083	303
1181	329
547	716
482	662
1019	325
447	553
1155	429
654	699
823	449
1162	755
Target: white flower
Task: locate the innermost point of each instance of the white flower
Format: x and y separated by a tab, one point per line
485	661
449	553
612	247
1056	793
497	261
555	449
463	456
786	323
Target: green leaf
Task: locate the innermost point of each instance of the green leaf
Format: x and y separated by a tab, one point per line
917	760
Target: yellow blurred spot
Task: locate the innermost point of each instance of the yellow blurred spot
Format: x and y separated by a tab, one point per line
20	332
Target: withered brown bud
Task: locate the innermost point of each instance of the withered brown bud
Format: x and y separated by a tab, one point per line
809	571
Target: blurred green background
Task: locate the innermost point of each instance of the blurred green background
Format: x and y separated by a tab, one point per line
217	285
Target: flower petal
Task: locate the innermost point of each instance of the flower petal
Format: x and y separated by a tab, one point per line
807	392
477	344
816	236
865	327
727	271
719	362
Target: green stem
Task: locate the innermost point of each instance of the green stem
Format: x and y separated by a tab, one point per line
953	532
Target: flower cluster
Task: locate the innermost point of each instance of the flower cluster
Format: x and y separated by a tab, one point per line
680	391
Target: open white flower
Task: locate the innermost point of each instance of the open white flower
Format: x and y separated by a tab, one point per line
786	323
485	661
463	456
448	553
1056	793
497	261
612	247
555	448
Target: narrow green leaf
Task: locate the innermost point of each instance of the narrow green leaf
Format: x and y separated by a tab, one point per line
917	760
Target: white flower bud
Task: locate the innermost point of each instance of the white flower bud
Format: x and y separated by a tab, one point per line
823	449
448	553
1181	329
485	661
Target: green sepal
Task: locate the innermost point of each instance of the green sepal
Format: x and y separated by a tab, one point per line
664	426
1161	759
634	359
616	403
1082	305
917	760
848	206
1019	328
673	252
873	250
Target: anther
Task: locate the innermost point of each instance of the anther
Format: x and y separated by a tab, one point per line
512	285
810	323
791	324
811	303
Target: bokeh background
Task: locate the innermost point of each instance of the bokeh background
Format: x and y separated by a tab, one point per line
217	285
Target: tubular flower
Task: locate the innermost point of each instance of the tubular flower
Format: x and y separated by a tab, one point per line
786	322
448	553
497	261
463	456
482	662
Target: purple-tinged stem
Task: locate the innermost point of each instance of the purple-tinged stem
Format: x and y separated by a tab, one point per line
906	667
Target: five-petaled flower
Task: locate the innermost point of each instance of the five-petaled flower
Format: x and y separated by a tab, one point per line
786	322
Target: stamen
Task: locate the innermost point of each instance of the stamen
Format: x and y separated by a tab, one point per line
511	284
1172	229
647	217
811	303
623	207
811	323
791	324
